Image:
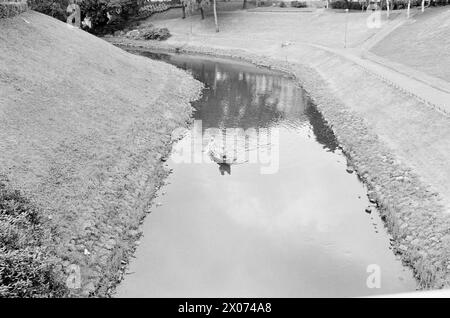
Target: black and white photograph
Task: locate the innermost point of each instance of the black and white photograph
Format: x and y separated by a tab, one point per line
224	154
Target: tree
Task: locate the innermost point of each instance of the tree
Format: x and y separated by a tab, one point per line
96	10
192	5
215	16
53	8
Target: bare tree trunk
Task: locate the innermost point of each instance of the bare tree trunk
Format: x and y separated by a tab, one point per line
215	16
409	9
387	8
184	11
423	5
244	6
202	13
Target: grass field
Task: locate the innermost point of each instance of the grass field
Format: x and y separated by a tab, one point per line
423	43
322	27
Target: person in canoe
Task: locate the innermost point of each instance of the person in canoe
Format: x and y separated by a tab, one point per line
220	157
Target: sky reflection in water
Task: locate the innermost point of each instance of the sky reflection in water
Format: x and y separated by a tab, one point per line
301	231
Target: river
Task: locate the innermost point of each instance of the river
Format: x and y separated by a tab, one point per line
278	216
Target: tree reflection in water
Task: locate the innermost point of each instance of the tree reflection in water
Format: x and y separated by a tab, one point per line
239	96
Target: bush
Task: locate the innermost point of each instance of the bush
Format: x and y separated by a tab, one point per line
341	4
97	10
55	9
121	13
299	4
282	4
394	4
156	34
26	273
149	9
10	9
400	4
27	268
149	32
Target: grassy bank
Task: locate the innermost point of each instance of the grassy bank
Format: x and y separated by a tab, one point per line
422	43
83	128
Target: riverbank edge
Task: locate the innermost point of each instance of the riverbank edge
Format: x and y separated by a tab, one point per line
98	280
156	177
82	157
412	212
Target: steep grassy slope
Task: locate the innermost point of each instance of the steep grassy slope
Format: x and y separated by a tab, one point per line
83	127
423	43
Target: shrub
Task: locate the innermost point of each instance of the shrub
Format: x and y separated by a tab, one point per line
149	9
10	9
394	4
149	32
440	2
97	10
282	4
299	4
338	5
159	34
55	9
342	4
27	268
121	13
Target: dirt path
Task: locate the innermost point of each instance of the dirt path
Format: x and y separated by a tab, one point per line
436	96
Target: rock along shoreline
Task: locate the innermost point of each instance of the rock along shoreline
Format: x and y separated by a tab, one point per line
412	211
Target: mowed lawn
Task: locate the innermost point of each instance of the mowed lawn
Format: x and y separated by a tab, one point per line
327	28
423	43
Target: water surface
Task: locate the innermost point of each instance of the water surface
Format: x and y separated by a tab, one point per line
291	223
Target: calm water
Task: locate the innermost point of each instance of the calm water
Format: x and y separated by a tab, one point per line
283	219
